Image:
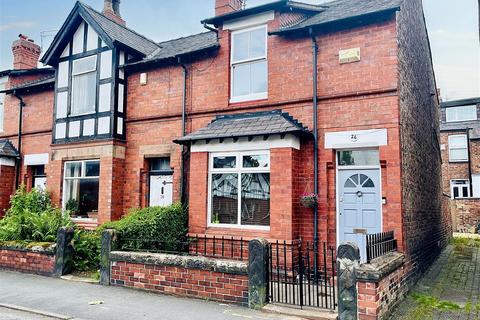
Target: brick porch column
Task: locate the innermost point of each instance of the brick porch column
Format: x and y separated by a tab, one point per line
7	183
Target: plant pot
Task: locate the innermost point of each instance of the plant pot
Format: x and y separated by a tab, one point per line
309	202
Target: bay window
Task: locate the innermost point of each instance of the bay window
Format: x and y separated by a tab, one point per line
81	187
249	64
239	189
84	85
458	148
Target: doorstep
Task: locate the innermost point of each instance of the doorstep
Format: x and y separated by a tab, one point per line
305	313
71	277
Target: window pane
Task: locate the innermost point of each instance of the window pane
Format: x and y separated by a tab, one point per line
73	169
465	192
62	80
455	192
224	198
106	64
92	169
83	93
257	43
241	80
82	197
358	158
258	76
256	199
62	98
224	162
84	65
459	141
458	154
463	113
256	161
240	46
160	164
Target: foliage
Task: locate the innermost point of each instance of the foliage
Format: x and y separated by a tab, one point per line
434	302
153	228
86	245
465	242
31	217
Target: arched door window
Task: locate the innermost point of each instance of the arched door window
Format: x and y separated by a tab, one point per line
359	181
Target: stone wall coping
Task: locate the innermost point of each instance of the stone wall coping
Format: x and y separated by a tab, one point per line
189	262
380	267
50	250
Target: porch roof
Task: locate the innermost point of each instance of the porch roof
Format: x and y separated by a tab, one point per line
7	149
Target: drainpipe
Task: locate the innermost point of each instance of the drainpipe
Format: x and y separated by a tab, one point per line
315	143
19	147
469	163
184	130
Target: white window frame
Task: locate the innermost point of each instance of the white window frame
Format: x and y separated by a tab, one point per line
2	106
452	186
73	87
251	96
450	148
82	177
238	170
451	109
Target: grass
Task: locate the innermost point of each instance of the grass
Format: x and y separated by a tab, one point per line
465	242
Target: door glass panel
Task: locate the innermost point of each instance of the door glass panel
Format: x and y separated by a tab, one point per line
369	184
350	184
363	178
354	178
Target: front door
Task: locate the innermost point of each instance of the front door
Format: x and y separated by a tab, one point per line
359	206
161	190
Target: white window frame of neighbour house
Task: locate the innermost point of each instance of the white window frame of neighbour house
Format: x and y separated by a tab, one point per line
81	177
91	108
476	185
453	146
2	106
239	169
463	113
248	61
459	184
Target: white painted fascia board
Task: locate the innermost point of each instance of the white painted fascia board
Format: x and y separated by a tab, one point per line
9	162
242	144
356	139
36	159
251	21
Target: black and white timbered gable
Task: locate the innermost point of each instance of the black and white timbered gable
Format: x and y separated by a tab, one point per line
90	88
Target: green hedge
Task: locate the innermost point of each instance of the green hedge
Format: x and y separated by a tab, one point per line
153	228
86	245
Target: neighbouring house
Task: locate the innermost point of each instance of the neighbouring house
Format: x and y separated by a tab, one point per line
460	145
273	102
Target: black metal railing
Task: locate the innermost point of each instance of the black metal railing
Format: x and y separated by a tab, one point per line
302	274
379	244
209	246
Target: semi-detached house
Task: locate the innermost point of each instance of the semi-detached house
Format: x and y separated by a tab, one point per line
270	103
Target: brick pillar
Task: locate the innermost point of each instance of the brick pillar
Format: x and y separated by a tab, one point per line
198	192
112	180
7	183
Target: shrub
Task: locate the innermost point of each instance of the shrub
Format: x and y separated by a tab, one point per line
86	245
154	228
31	217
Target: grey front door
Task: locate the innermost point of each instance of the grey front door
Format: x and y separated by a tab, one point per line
359	206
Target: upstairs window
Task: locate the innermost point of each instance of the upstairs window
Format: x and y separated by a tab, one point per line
84	86
249	64
464	113
458	148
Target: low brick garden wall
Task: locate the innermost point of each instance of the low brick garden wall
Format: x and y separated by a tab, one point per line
465	214
191	276
37	260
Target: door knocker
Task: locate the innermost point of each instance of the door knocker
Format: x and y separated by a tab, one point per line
359	194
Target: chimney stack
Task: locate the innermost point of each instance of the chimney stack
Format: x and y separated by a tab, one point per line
111	9
25	53
227	6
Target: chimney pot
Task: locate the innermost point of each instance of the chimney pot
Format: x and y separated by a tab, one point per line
25	53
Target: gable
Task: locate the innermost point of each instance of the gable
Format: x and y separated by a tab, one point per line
84	38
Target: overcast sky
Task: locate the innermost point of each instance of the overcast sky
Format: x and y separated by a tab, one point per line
452	25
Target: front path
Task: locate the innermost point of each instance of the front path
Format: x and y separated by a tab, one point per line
72	299
450	289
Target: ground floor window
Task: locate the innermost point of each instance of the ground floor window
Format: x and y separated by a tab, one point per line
81	187
160	182
39	180
239	189
460	189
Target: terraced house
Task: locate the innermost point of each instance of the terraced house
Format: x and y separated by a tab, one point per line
271	103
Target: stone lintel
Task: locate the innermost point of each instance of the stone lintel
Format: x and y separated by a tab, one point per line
380	267
189	262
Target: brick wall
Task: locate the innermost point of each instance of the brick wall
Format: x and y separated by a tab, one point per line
163	276
27	261
426	230
452	170
465	214
7	186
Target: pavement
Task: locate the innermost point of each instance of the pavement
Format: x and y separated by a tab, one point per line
31	297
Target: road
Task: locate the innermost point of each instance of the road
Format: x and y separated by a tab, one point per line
73	300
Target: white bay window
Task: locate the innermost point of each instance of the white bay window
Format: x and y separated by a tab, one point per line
239	193
249	64
84	86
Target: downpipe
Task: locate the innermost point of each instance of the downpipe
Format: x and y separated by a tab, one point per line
19	147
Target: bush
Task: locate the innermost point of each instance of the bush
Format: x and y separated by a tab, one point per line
31	217
86	245
154	228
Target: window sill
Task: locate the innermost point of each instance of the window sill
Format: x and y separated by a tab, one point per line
80	114
458	161
237	227
249	98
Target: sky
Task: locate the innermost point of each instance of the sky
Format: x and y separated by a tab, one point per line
452	25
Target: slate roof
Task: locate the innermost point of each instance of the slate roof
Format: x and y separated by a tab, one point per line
186	45
248	125
463	125
7	149
48	80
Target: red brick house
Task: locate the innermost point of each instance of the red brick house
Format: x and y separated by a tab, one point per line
272	102
460	145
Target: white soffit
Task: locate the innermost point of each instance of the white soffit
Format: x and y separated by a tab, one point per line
242	144
356	139
35	159
250	21
7	162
